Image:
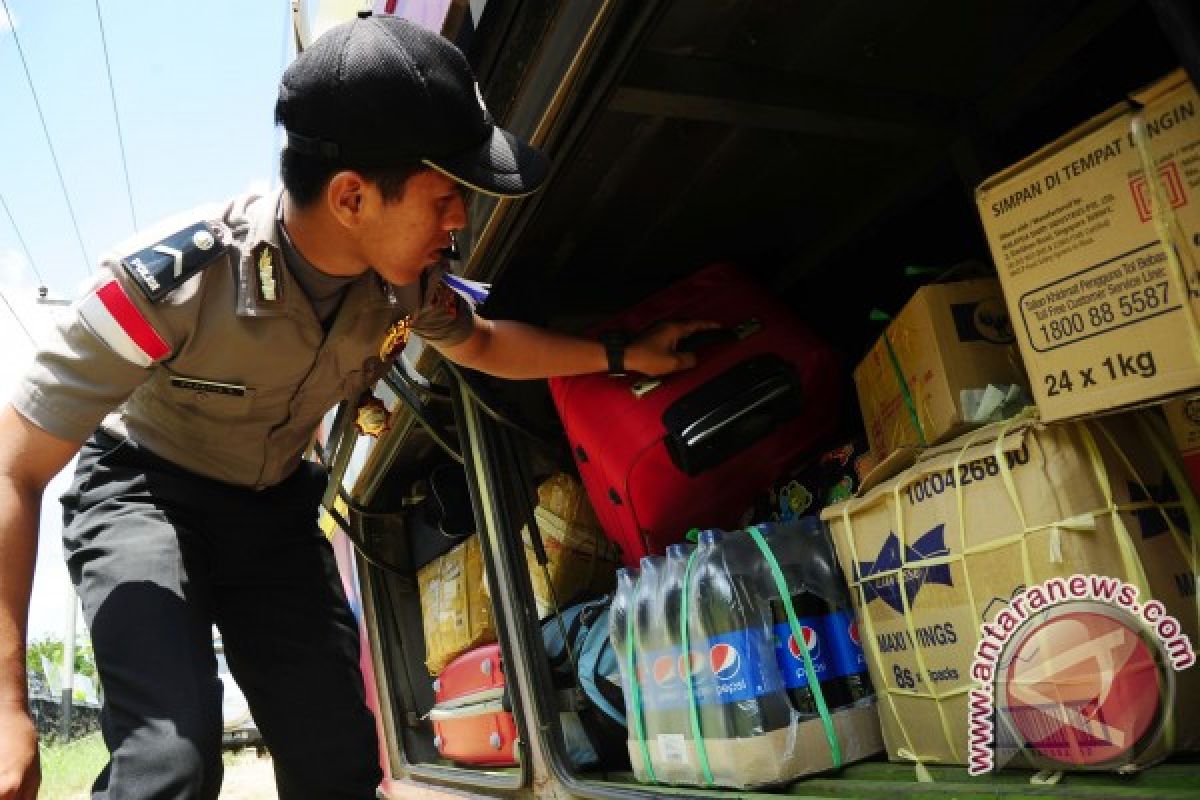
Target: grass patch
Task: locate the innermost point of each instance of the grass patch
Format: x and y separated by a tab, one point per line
69	769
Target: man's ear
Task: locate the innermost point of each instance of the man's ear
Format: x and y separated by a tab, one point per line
345	195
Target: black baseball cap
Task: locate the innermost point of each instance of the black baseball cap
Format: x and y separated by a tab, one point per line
383	91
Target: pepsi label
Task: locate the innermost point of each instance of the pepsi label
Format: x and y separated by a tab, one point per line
741	666
845	648
790	658
664	679
661	684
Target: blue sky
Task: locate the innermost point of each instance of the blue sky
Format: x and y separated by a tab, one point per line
195	83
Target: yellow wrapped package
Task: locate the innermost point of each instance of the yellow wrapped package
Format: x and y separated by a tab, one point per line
582	562
456	609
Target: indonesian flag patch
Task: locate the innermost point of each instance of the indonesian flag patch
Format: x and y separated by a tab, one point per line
113	317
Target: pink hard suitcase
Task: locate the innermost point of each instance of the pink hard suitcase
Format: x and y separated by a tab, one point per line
471	723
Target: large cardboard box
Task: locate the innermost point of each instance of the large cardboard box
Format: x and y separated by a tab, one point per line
926	377
971	534
1097	253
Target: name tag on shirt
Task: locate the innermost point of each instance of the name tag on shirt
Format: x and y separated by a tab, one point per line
216	387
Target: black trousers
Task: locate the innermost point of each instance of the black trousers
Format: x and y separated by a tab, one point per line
159	555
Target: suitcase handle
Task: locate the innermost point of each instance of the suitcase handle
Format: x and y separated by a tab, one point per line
701	339
694	342
715	421
730	412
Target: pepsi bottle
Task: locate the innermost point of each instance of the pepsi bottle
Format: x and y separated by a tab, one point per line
744	697
618	628
842	633
841	629
819	598
664	696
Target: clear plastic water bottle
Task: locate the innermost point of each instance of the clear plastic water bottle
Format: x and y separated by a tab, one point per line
618	628
664	695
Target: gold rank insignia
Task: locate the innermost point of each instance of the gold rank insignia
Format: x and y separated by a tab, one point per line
395	339
372	418
268	280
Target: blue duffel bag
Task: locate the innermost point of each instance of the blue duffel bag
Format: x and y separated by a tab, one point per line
593	717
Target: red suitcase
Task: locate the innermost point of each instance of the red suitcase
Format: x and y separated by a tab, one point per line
470	722
692	450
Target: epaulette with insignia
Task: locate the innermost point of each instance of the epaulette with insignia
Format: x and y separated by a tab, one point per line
159	269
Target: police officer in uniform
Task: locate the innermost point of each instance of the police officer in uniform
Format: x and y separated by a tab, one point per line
194	373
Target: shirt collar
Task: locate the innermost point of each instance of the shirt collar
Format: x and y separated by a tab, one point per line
263	274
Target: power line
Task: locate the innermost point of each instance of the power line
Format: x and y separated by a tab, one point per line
49	143
13	311
28	256
112	93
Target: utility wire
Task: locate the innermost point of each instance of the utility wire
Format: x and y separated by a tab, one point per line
49	143
112	93
13	311
28	257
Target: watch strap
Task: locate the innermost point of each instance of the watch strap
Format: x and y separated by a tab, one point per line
615	343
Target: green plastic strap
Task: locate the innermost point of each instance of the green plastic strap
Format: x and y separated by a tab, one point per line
685	641
835	746
636	694
905	392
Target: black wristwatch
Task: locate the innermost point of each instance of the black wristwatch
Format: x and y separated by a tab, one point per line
615	343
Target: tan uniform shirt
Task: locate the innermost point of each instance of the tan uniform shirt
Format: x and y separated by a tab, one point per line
229	374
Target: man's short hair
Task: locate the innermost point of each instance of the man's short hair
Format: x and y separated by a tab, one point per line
305	177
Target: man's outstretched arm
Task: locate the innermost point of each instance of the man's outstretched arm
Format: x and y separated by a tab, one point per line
515	350
29	458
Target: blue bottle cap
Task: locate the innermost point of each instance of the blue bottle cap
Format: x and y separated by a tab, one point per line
710	536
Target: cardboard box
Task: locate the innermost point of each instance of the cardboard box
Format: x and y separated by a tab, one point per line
456	608
922	381
778	757
1077	231
1183	417
968	533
